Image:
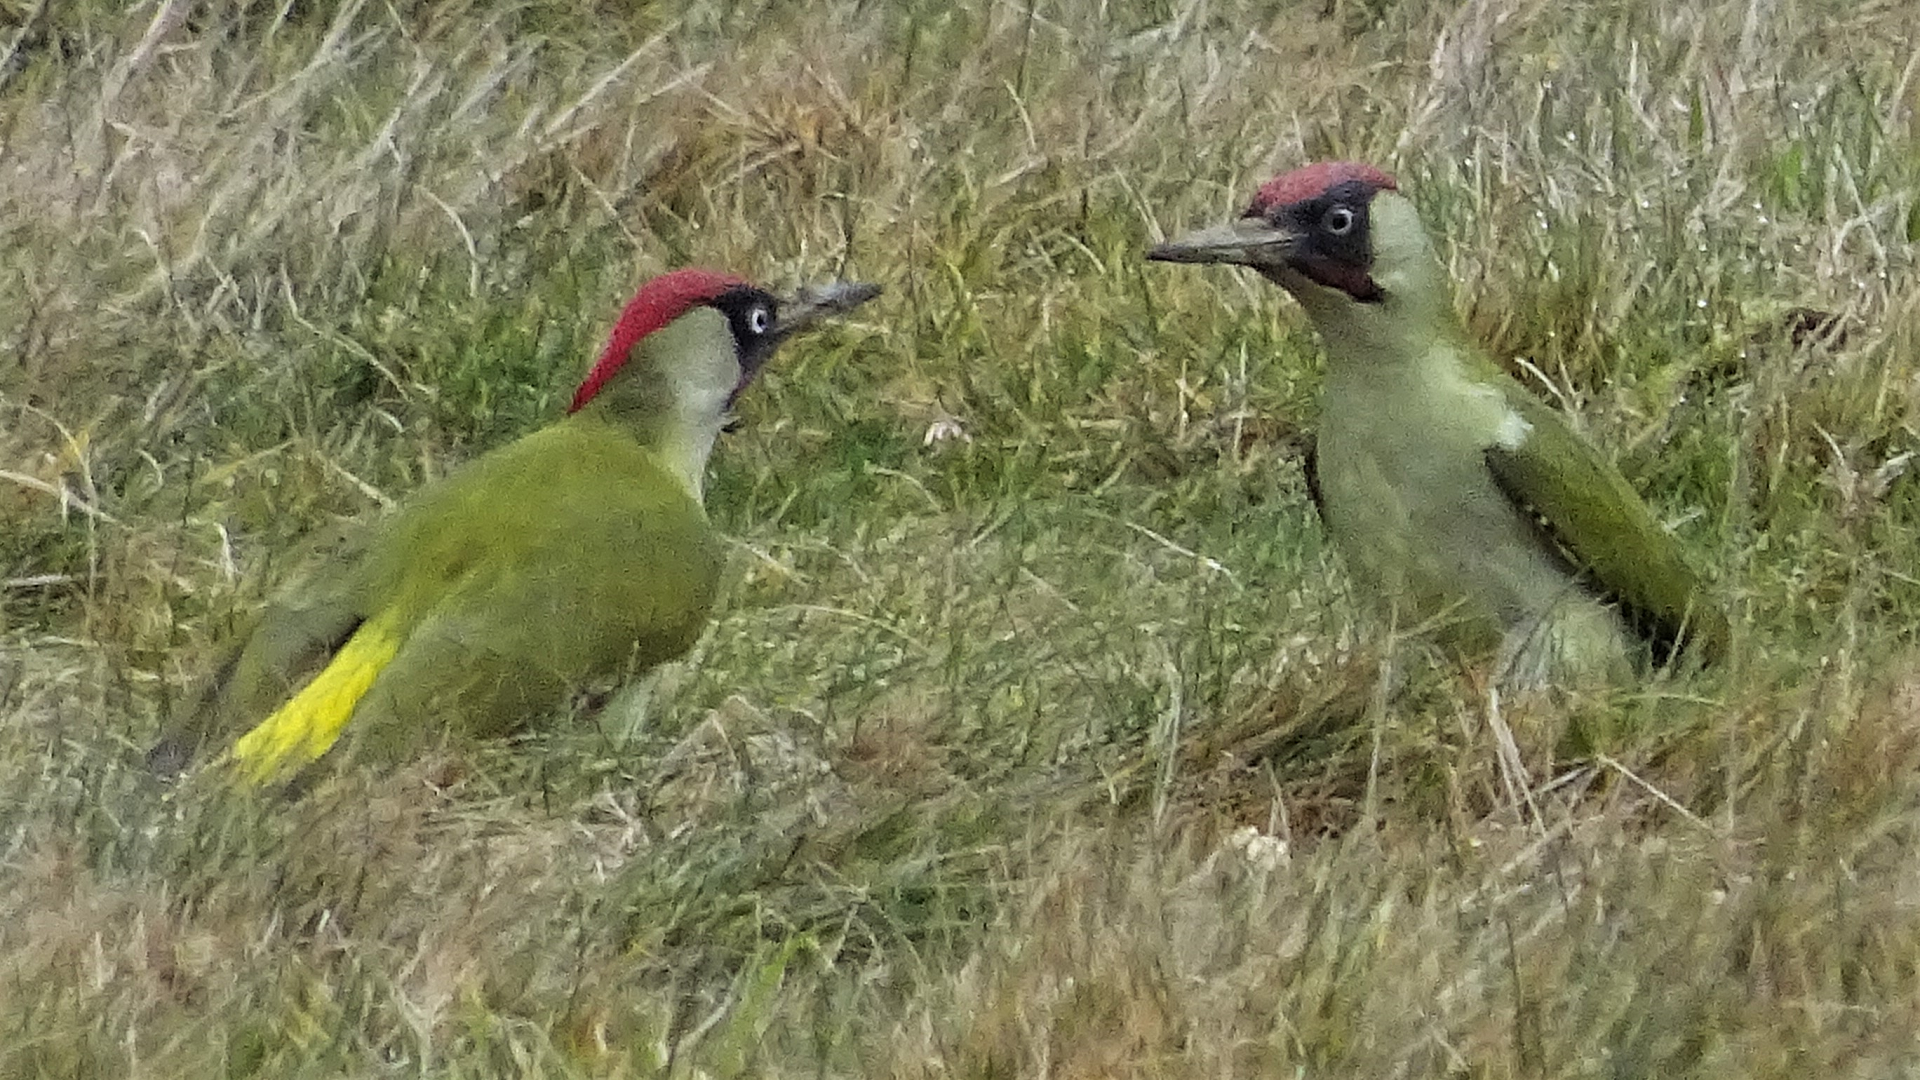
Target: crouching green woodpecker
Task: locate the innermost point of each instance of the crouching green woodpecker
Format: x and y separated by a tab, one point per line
1447	487
559	559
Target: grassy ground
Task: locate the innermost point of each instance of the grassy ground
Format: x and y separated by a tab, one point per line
1047	749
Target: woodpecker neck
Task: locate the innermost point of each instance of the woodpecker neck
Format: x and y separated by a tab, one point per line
1414	312
672	393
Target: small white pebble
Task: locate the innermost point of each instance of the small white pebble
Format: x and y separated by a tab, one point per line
1262	852
944	427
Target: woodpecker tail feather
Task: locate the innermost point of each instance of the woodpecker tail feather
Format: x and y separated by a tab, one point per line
310	722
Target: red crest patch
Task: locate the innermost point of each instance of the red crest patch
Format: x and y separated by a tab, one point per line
659	302
1308	181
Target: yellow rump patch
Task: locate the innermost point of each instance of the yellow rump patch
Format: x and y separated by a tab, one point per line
311	721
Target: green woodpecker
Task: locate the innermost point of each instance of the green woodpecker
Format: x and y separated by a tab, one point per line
1451	491
552	562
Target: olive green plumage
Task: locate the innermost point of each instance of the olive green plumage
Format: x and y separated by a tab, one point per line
553	563
558	560
1454	495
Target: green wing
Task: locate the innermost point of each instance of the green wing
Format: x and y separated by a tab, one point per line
557	560
1592	513
565	560
562	560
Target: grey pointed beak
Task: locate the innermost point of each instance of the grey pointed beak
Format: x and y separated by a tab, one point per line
1247	241
812	303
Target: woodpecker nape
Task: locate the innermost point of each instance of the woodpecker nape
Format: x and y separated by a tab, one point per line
1451	491
559	560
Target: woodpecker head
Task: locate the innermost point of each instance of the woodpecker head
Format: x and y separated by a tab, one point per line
741	325
1339	236
686	345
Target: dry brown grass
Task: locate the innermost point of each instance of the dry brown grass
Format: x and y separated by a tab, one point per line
961	782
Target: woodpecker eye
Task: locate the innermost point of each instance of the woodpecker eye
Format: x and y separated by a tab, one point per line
1339	221
759	320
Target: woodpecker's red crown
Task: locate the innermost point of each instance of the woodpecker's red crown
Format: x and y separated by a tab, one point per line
659	302
1312	181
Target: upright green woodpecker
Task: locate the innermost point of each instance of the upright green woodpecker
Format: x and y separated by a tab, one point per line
557	560
1451	491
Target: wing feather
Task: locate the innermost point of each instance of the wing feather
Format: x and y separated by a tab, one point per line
1597	519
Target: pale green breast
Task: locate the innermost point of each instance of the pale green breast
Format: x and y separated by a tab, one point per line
1409	500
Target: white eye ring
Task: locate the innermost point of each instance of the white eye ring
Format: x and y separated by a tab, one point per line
1339	221
758	320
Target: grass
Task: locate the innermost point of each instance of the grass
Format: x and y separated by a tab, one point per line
960	782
